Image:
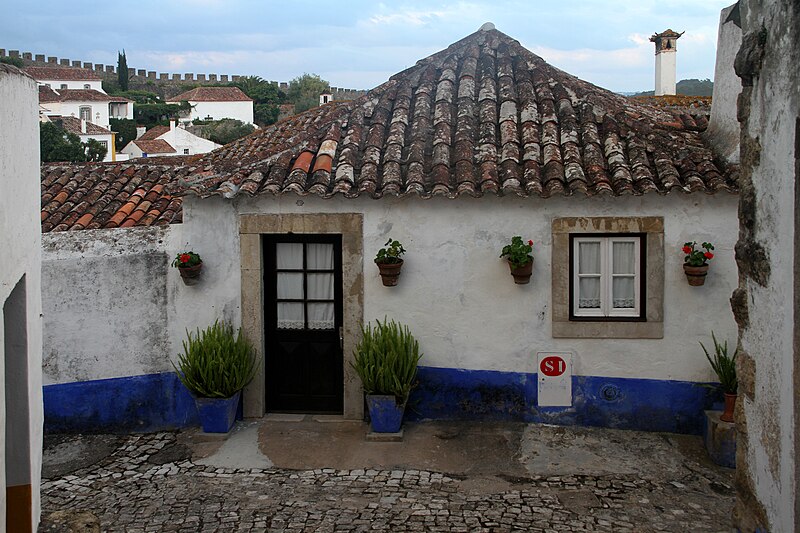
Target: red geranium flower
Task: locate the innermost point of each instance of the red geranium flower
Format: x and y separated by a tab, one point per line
530	243
185	258
708	255
687	249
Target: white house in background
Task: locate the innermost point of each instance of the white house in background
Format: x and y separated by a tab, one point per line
85	104
184	142
149	148
215	103
87	130
21	411
66	78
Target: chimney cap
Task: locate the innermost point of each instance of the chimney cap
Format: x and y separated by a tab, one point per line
487	26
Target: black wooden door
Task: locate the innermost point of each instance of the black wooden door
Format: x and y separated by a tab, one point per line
303	320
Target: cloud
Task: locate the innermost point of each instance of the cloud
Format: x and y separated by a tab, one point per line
415	18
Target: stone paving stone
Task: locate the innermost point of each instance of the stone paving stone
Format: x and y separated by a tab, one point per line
130	490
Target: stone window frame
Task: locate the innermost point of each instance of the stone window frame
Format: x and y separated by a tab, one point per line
653	325
350	227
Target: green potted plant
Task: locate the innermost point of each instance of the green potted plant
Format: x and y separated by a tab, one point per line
519	258
215	366
389	262
386	361
189	265
695	264
725	368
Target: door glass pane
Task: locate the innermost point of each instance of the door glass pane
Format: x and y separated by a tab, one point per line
290	285
320	316
623	292
589	293
320	286
290	255
320	256
589	258
290	315
624	258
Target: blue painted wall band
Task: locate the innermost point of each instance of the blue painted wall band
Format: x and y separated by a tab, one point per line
158	402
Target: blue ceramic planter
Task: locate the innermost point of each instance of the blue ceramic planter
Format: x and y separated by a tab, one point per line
217	415
385	415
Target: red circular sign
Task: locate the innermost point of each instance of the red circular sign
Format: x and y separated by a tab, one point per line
552	366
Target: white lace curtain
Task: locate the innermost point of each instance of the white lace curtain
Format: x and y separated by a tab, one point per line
623	259
292	315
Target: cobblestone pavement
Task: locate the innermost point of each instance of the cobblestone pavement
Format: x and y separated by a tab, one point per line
147	484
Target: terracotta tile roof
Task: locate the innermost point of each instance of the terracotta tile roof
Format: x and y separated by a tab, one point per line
47	94
212	94
153	133
80	196
155	146
484	116
62	73
73	125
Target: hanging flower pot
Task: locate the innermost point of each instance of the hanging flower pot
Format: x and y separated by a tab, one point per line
522	274
695	263
520	260
389	262
189	266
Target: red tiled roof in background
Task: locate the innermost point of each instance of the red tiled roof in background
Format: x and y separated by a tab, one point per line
78	196
62	74
212	94
73	125
484	116
155	146
48	94
153	133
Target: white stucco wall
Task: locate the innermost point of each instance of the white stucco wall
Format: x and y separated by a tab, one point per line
182	140
455	293
108	139
99	111
20	241
769	338
723	127
218	110
97	85
665	73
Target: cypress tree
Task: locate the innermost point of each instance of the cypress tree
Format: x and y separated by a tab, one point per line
122	71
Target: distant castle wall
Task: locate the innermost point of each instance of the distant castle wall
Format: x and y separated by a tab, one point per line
149	77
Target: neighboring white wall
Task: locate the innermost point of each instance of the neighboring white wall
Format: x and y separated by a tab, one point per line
772	153
97	85
665	73
20	241
723	127
133	151
472	315
108	139
217	110
99	111
182	140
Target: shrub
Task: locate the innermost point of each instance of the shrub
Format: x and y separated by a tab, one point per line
215	363
386	359
724	365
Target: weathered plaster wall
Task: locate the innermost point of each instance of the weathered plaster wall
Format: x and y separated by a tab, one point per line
723	127
769	107
218	110
20	242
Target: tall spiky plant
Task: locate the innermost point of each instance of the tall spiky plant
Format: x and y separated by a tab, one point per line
386	359
215	363
724	365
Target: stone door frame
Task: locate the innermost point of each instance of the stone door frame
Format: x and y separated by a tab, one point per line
350	227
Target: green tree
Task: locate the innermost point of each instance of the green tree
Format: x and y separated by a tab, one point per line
94	150
226	130
126	131
59	145
122	70
260	90
265	114
149	115
304	91
16	61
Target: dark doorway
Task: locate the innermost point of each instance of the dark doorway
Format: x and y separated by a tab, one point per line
303	323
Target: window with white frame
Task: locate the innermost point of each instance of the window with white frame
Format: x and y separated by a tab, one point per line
86	113
606	277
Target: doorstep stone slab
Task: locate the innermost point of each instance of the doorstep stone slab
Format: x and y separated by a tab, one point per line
373	436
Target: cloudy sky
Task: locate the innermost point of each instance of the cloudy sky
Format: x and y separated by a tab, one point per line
359	44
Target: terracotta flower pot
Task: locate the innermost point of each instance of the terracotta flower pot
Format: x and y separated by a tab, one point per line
695	274
522	275
191	275
390	272
730	405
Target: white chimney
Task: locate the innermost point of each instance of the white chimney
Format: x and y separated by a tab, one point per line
325	97
666	49
171	125
83	126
